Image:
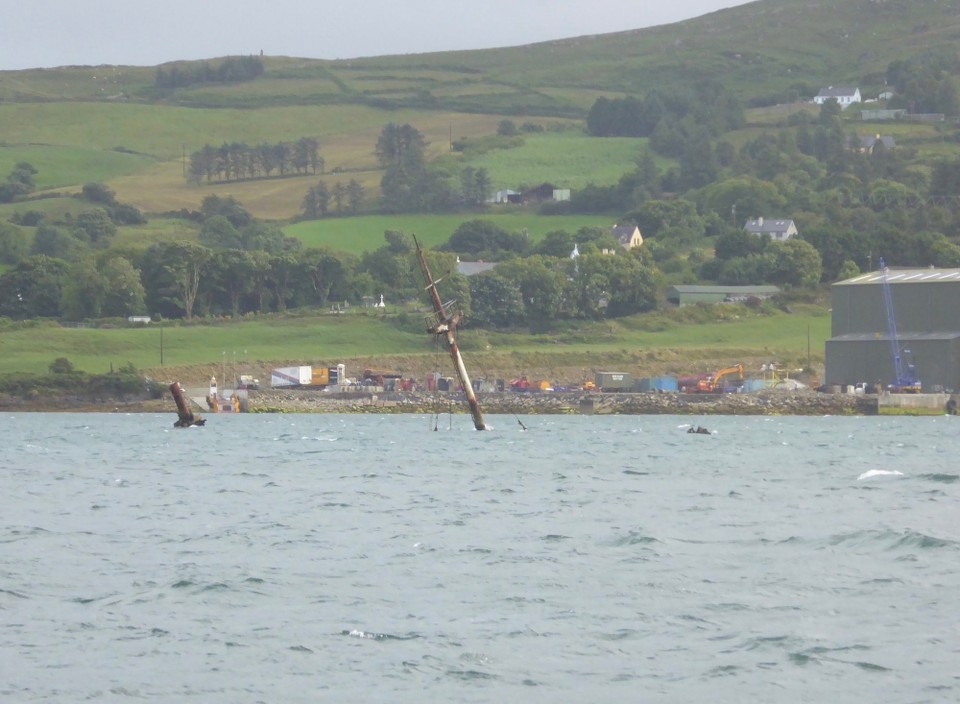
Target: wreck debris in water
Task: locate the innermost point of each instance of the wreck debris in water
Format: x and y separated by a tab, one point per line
445	325
185	417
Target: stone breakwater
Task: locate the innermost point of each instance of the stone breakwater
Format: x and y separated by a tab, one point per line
802	402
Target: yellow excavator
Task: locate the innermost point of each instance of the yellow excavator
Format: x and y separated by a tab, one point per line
712	384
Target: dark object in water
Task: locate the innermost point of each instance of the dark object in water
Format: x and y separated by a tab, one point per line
699	430
185	417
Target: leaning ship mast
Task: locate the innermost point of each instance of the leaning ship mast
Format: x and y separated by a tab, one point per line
441	324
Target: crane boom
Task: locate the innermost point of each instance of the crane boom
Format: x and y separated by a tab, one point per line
901	381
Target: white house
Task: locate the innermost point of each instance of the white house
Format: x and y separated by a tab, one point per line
502	196
779	230
866	145
473	268
845	97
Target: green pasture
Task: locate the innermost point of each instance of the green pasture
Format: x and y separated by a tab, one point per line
365	234
154	231
778	335
567	159
164	132
312	340
326	339
261	94
54	209
75	83
59	166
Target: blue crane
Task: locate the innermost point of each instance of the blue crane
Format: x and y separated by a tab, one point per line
902	380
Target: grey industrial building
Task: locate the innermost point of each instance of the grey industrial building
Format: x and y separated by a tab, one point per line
684	295
926	310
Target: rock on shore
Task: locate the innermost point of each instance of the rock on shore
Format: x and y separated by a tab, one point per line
799	402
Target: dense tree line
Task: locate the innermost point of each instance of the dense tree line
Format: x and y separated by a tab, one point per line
241	265
342	199
236	161
72	238
926	83
411	185
231	70
666	117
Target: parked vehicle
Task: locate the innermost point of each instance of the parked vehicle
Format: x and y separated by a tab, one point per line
246	381
714	384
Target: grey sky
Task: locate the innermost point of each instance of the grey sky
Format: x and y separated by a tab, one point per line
47	33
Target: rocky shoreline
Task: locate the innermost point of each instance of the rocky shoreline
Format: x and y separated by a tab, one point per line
800	402
775	403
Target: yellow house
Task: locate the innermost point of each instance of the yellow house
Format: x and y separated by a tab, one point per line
627	235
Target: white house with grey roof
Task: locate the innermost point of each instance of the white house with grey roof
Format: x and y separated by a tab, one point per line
845	97
779	230
866	145
474	268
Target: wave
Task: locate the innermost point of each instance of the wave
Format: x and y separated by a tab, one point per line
821	654
892	540
871	473
941	478
13	593
372	635
632	538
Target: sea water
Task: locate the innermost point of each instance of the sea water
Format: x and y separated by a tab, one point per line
315	558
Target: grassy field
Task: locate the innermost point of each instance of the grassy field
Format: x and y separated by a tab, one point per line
59	166
53	208
164	132
643	345
346	143
567	159
156	230
294	340
363	234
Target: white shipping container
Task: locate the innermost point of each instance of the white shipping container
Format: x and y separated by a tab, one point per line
291	376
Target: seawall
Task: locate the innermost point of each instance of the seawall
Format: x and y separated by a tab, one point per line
801	402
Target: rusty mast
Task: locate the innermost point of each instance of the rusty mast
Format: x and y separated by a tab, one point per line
447	326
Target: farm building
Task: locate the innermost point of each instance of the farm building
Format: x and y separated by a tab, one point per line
688	295
927	317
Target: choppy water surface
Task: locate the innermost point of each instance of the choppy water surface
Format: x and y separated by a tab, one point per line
589	559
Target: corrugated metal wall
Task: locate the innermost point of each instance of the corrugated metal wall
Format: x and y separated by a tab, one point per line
928	325
918	307
936	361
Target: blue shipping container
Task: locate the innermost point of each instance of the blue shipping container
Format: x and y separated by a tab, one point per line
659	383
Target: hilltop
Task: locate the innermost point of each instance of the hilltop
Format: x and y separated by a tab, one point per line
132	127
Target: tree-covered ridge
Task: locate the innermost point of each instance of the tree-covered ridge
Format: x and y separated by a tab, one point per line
229	70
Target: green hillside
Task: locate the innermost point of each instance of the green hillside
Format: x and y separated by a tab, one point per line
720	128
72	120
